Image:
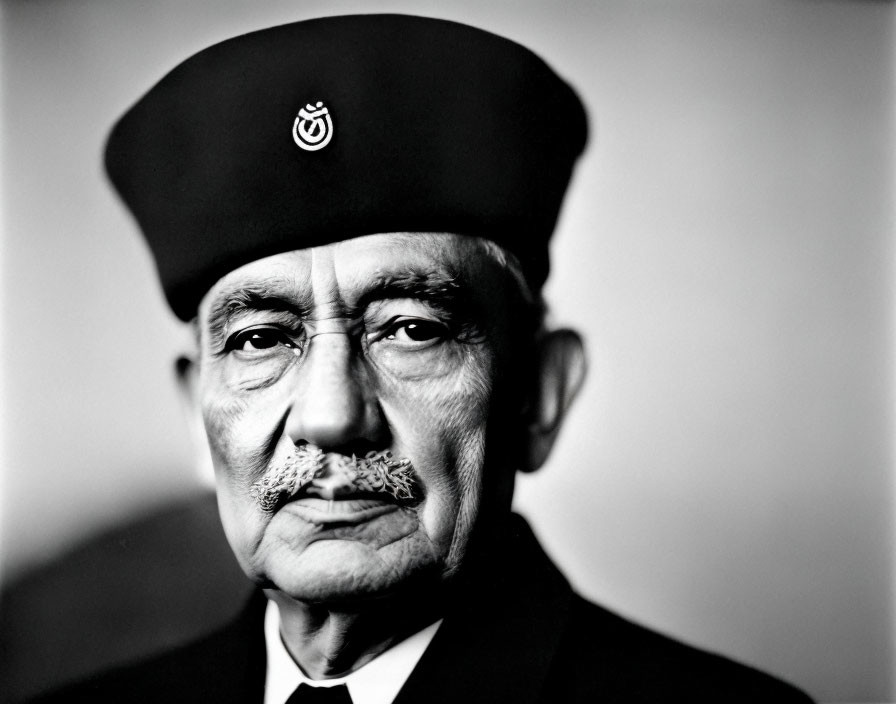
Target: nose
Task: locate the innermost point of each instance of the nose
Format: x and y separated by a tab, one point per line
334	405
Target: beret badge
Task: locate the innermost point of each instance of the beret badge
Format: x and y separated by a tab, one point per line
313	128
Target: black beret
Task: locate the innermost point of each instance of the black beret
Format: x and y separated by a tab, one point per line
318	131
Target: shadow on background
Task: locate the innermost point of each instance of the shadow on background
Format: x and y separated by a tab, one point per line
131	591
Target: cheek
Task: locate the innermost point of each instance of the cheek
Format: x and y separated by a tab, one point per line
441	425
240	428
239	458
222	418
235	409
441	417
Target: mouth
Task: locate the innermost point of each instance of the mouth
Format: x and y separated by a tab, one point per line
346	510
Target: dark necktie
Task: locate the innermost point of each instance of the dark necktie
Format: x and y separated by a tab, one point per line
306	694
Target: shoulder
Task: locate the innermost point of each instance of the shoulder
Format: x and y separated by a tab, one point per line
162	678
225	666
604	656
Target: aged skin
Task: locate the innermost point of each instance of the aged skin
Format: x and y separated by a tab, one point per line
402	343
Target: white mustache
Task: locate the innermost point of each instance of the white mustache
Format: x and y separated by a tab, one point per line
376	472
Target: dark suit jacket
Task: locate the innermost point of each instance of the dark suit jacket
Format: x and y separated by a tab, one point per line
517	634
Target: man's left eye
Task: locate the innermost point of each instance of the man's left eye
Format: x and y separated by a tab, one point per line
416	331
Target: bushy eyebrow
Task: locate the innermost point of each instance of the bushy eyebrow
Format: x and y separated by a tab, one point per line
440	288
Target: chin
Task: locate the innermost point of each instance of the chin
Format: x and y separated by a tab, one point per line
346	572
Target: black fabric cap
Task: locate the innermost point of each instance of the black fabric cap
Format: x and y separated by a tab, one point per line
434	126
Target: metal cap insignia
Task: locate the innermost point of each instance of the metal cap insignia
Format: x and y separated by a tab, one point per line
313	128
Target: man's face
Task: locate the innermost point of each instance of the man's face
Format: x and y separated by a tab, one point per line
396	343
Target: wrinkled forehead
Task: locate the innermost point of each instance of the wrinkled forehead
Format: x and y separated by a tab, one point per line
422	264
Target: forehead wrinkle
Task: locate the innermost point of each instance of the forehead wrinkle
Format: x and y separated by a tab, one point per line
328	299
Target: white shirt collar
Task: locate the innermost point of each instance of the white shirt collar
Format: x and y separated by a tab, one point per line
377	682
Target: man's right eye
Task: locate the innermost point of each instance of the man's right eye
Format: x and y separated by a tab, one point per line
258	339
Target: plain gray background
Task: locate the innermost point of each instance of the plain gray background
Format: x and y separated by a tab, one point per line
726	248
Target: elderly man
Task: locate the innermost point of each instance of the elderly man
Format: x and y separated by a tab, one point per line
354	213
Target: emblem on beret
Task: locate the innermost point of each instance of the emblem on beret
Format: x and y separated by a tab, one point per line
313	128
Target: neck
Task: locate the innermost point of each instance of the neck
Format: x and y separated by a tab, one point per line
329	641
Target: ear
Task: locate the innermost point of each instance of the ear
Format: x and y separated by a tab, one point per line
186	371
560	372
